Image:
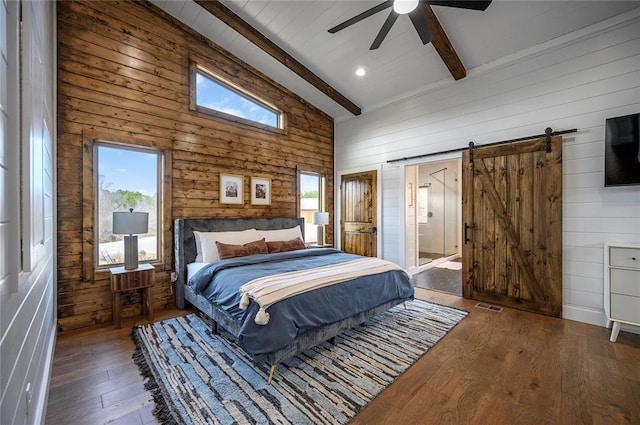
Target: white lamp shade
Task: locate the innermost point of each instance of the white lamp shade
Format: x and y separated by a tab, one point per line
403	7
130	223
320	218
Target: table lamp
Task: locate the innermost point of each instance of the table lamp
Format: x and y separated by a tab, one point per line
130	223
320	219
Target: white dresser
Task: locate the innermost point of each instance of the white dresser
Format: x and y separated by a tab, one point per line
621	285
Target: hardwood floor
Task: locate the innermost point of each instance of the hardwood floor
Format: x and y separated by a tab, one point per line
511	367
94	380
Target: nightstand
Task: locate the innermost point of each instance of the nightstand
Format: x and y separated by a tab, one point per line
123	280
621	286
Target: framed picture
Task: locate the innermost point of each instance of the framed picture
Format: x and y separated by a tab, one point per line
260	191
231	189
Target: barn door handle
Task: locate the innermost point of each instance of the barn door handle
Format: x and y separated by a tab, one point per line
466	233
374	229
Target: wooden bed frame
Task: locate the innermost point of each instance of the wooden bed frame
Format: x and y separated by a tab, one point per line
185	253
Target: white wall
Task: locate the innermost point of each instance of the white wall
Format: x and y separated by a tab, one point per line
576	81
27	215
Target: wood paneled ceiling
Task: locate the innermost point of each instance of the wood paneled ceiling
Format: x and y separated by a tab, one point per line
402	66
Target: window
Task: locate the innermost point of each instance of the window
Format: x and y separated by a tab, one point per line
214	94
311	200
127	178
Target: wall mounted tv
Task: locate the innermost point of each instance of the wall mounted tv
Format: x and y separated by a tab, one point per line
622	151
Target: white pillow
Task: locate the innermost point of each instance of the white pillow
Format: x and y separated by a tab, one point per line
281	234
206	249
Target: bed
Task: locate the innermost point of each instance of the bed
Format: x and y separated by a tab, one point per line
296	323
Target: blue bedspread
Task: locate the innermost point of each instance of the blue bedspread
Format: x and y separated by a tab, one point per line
220	282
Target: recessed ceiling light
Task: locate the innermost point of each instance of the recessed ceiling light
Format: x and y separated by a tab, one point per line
360	72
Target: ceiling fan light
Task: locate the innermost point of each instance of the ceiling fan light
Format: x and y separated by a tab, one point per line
402	7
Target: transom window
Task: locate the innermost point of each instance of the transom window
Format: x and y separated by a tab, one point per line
215	94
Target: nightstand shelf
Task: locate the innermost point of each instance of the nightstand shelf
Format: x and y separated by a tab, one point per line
123	280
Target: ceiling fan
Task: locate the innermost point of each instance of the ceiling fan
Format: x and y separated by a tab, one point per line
416	14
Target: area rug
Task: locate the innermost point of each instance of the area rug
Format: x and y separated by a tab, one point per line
197	377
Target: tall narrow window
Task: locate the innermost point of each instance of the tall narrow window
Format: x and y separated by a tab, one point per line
311	200
127	178
213	93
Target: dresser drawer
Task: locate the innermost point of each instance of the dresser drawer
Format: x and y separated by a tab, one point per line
625	282
624	257
128	281
626	308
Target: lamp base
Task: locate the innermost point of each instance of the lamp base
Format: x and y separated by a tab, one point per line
320	240
131	252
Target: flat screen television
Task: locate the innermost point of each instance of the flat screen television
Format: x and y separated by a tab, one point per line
622	151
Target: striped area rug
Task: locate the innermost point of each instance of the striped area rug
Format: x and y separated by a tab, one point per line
200	378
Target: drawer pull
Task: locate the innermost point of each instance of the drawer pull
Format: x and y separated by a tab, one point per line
633	258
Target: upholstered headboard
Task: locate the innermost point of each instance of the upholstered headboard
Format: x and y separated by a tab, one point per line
185	243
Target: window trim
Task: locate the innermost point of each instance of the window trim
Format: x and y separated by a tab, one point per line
197	65
90	271
322	188
96	246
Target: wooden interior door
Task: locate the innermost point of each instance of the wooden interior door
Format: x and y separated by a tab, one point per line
512	213
359	213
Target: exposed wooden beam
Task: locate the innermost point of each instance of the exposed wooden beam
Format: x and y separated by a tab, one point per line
442	44
247	31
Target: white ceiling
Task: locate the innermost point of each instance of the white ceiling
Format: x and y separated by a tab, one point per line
402	66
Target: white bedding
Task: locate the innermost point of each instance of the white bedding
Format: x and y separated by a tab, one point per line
193	268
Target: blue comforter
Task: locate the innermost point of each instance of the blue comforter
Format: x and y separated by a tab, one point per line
220	282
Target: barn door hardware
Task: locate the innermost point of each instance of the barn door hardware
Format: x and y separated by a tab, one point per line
548	133
471	152
466	233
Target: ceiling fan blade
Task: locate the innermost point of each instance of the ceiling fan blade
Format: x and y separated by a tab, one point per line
420	24
391	19
473	5
361	16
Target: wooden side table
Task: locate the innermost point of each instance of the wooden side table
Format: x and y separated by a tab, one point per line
130	280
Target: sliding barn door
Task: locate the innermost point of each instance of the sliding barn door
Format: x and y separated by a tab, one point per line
359	213
512	214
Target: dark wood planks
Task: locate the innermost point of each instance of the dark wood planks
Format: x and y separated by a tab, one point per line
123	75
443	45
512	203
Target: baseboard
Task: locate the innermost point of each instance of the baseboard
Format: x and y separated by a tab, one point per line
593	317
585	315
40	412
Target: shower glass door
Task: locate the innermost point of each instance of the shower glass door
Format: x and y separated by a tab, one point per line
437	211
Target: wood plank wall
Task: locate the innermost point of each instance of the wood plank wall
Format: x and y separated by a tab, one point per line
123	76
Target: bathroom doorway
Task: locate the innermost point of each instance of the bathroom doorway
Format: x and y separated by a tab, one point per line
433	213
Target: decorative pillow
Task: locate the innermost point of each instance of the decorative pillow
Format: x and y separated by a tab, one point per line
284	246
226	251
206	249
257	247
281	234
